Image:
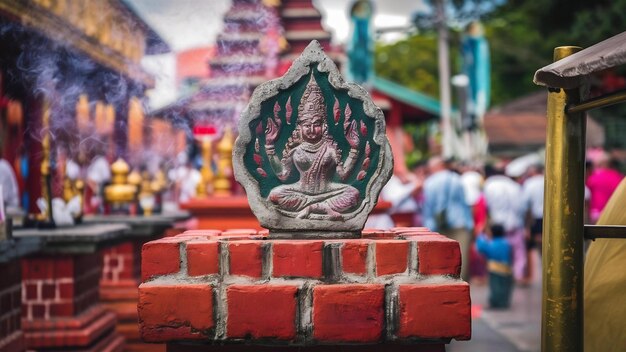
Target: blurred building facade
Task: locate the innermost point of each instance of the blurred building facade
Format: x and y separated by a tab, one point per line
70	70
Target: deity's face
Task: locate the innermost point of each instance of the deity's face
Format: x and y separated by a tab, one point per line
312	129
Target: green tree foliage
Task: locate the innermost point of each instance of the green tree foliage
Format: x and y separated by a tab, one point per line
411	62
522	35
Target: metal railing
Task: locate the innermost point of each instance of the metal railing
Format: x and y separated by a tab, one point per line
563	229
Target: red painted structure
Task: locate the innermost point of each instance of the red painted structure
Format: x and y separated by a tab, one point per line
382	291
60	307
11	335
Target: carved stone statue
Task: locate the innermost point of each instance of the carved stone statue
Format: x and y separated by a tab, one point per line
312	152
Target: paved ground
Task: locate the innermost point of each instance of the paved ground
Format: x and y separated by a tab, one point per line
517	329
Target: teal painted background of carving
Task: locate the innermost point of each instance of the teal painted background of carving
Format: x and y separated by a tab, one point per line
266	184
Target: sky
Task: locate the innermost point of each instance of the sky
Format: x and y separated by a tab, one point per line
186	24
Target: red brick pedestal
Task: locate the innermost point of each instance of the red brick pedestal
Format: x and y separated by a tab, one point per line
118	291
385	290
11	336
60	290
122	267
118	285
11	250
60	306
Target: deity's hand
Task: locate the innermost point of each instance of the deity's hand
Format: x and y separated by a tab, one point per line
352	135
271	131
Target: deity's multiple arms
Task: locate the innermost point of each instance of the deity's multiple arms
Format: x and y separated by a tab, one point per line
344	169
283	167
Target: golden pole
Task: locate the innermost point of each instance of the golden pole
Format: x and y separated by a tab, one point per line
225	163
563	227
205	187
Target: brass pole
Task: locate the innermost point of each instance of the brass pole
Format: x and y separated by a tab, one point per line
562	308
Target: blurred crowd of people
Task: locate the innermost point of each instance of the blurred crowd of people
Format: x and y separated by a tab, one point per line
494	211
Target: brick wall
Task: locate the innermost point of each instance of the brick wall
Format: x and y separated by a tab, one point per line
389	286
121	263
11	336
60	309
59	286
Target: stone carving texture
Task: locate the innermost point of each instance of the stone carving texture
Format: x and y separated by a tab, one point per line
312	152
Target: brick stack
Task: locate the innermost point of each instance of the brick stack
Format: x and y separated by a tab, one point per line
60	306
11	336
60	289
11	250
122	267
389	287
118	286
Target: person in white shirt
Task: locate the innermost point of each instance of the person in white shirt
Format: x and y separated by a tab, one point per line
532	190
505	206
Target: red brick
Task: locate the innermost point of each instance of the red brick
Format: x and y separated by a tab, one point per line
31	291
164	309
240	232
62	309
11	273
348	313
391	256
39	310
167	334
203	232
38	268
297	258
246	258
63	267
66	290
262	311
202	258
374	233
160	258
5	302
435	311
403	230
354	257
438	255
48	291
238	238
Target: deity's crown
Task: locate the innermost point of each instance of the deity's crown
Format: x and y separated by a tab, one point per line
312	102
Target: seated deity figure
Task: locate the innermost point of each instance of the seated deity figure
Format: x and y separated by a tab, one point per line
312	151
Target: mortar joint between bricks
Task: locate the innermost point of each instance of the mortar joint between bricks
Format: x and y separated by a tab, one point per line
371	261
391	311
267	262
182	248
220	312
224	259
413	260
332	267
305	313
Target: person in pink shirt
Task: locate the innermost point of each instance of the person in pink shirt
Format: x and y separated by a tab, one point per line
601	183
